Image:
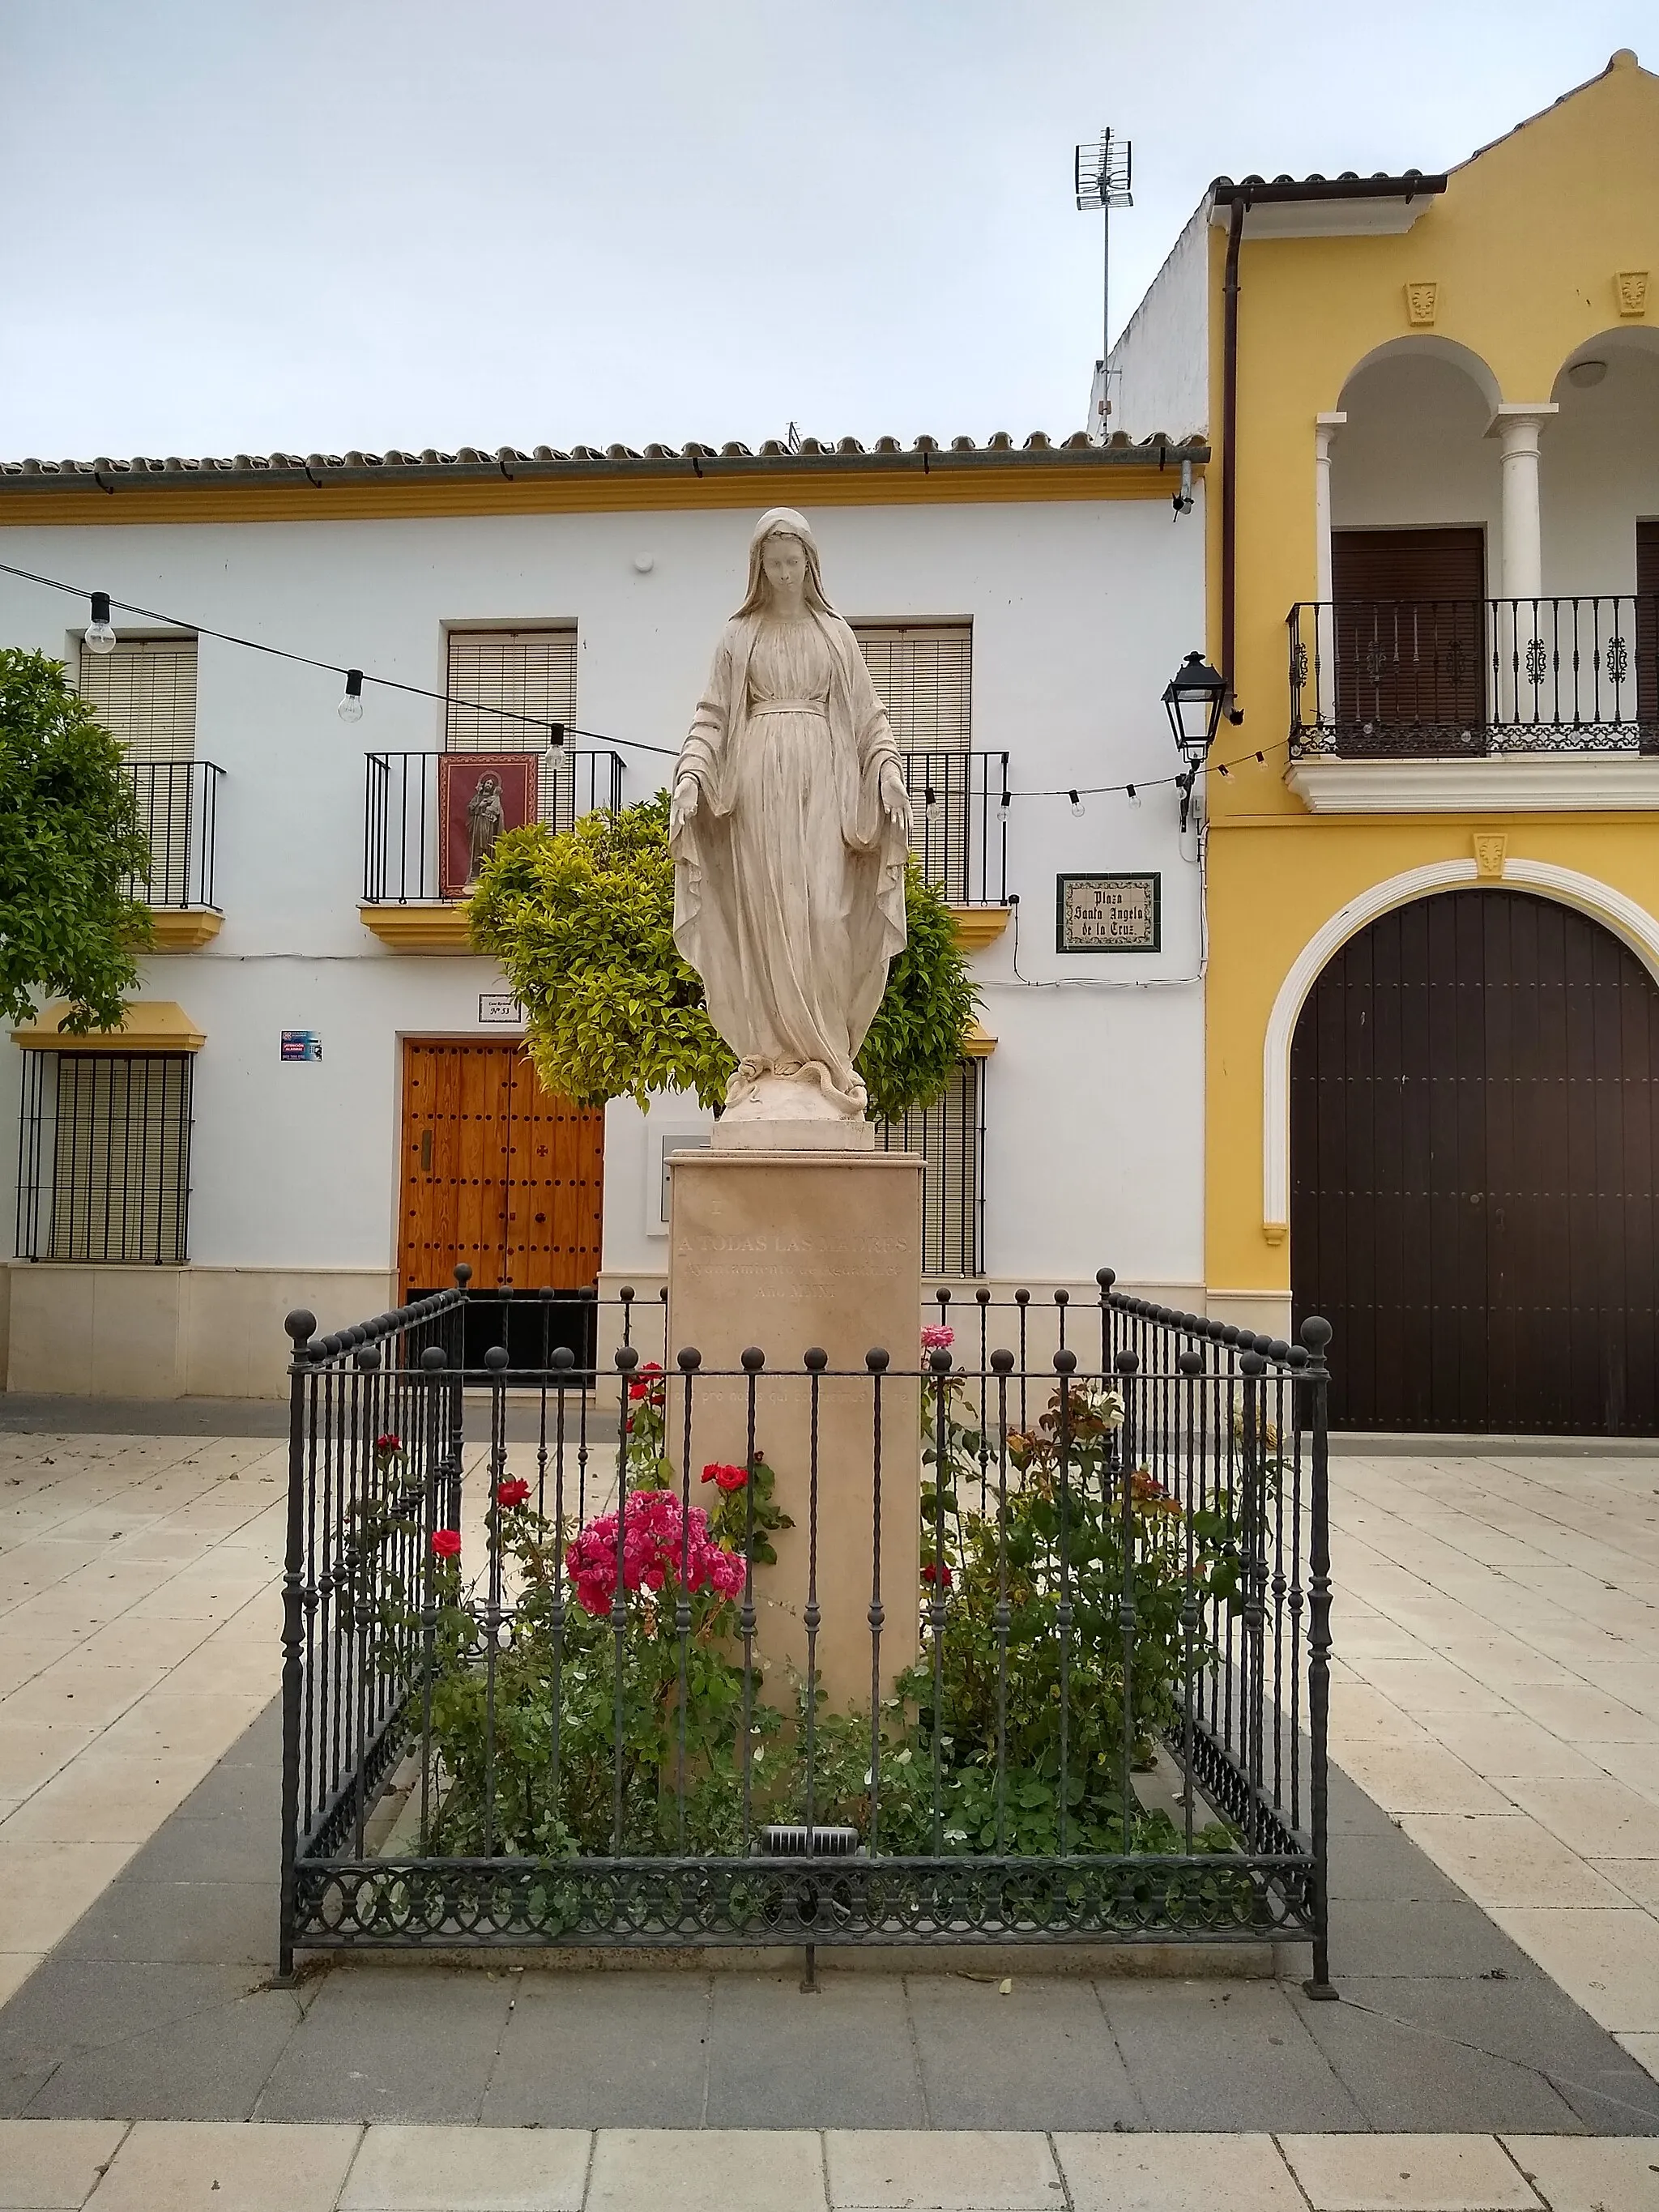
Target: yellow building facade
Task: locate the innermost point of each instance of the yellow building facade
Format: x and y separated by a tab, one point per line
1432	549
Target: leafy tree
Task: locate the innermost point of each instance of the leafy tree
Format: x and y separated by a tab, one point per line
583	924
69	840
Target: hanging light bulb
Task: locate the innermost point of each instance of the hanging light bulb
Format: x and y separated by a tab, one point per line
1134	796
1005	802
98	634
1078	806
931	798
351	708
555	737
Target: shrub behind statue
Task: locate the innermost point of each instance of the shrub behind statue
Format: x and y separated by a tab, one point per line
582	923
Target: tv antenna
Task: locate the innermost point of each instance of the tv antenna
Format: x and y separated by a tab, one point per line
1101	179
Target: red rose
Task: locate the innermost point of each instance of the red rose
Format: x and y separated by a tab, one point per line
940	1574
388	1443
513	1491
727	1476
640	1387
447	1543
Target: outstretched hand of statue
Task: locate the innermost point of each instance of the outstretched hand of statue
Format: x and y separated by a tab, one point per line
683	805
895	799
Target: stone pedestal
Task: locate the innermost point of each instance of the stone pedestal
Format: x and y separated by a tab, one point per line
787	1251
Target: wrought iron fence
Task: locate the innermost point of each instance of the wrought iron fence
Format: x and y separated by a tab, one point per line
179	813
534	1693
1402	678
960	832
403	834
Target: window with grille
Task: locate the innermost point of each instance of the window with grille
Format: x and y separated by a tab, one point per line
144	695
517	671
923	675
950	1137
104	1166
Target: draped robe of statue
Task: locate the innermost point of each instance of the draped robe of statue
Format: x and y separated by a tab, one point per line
789	877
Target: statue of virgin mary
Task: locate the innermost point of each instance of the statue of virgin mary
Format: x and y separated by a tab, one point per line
790	828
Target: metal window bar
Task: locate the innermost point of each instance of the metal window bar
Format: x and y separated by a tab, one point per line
949	1135
959	829
402	834
177	812
1189	1801
1397	678
104	1157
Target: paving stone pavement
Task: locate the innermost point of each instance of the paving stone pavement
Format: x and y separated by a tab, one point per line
159	2166
143	1993
157	2006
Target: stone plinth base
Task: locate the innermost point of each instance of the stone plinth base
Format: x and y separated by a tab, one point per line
787	1251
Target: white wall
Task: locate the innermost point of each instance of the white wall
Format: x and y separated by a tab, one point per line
1599	470
1415	451
1080	612
1161	363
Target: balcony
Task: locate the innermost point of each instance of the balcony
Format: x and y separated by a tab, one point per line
177	812
959	833
411	903
1414	705
409	898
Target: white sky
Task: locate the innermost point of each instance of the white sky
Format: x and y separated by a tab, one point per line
315	224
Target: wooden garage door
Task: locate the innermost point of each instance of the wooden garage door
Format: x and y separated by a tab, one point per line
496	1171
1474	1170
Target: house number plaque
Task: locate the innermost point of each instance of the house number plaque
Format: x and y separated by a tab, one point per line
1107	913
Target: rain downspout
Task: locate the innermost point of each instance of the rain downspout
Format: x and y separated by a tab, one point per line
1229	449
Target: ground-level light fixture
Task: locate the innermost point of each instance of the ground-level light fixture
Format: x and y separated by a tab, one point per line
1192	699
99	636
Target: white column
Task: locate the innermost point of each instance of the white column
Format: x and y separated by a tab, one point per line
1523	542
1324	695
1518	424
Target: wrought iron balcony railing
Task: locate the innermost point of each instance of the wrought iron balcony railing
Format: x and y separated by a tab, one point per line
177	812
959	830
1380	680
960	834
404	832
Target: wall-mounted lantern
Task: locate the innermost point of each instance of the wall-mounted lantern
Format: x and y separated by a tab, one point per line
1193	700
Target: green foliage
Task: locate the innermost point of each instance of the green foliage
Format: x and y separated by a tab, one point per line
69	839
582	922
1030	1759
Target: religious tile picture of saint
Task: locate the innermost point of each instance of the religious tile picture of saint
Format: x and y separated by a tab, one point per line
481	796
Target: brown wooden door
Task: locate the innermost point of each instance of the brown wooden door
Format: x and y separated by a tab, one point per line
1647	633
1410	629
496	1171
1474	1155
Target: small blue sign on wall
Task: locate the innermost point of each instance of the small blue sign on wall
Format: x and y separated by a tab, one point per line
301	1044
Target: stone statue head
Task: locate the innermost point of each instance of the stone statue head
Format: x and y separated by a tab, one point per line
783	530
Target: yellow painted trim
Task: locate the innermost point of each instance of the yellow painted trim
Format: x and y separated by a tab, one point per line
427	928
979	1043
263	499
978	926
147	1025
1641	818
183	929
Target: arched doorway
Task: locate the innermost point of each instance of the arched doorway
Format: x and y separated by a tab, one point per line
1475	1160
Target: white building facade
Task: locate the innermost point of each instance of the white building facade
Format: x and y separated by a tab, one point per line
255	1138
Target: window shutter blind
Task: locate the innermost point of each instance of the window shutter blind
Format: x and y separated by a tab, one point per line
121	1157
923	675
950	1136
144	695
521	673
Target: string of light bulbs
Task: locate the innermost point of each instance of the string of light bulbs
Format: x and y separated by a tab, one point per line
100	637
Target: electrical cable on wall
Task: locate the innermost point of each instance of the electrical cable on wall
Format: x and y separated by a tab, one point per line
101	638
1130	982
